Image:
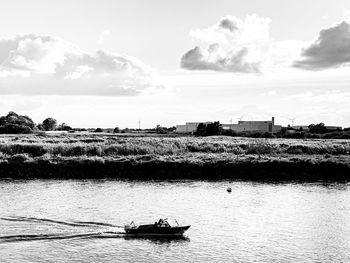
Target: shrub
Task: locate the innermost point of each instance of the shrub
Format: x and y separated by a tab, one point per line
332	135
259	147
49	124
345	136
13	123
15	129
19	158
209	129
229	133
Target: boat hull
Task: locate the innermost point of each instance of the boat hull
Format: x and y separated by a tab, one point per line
154	231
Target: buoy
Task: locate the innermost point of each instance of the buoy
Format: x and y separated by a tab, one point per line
229	189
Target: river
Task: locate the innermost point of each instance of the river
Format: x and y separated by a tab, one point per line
78	221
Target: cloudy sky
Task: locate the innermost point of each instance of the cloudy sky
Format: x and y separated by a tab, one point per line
112	63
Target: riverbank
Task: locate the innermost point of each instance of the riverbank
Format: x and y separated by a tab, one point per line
167	158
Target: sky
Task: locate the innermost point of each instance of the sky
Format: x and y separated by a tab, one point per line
115	63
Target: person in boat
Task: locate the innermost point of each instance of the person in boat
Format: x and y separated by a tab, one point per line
163	223
159	223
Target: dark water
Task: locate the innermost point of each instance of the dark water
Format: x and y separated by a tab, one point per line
78	221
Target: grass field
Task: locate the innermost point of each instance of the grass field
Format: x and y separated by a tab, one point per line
116	155
112	145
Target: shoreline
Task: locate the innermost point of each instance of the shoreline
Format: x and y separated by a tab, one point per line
173	158
193	167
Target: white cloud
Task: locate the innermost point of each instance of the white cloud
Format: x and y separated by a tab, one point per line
31	53
214	58
331	49
33	64
103	36
232	29
235	45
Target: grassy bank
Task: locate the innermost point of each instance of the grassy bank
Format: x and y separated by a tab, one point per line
165	157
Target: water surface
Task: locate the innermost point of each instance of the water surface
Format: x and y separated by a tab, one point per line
77	221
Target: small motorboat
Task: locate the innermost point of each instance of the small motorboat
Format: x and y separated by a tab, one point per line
162	228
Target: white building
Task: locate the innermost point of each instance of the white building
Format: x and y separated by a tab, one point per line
261	126
189	127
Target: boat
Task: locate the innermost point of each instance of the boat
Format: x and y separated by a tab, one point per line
160	228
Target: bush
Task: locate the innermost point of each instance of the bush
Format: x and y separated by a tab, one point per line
209	129
229	133
15	129
259	147
332	135
318	128
13	123
345	136
49	124
19	158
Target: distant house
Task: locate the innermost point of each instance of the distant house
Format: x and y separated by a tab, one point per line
261	126
189	127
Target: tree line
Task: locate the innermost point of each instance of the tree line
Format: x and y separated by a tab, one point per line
14	123
314	131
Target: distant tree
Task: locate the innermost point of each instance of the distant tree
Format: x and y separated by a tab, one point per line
49	124
116	130
209	129
40	127
214	128
282	132
318	128
98	130
159	129
64	127
14	123
80	129
297	135
201	129
171	129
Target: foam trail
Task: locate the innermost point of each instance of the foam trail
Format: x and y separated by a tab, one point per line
97	224
21	238
34	219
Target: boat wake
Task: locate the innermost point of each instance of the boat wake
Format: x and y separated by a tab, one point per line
67	223
19	238
93	226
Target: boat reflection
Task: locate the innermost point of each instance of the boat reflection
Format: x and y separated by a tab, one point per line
160	240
